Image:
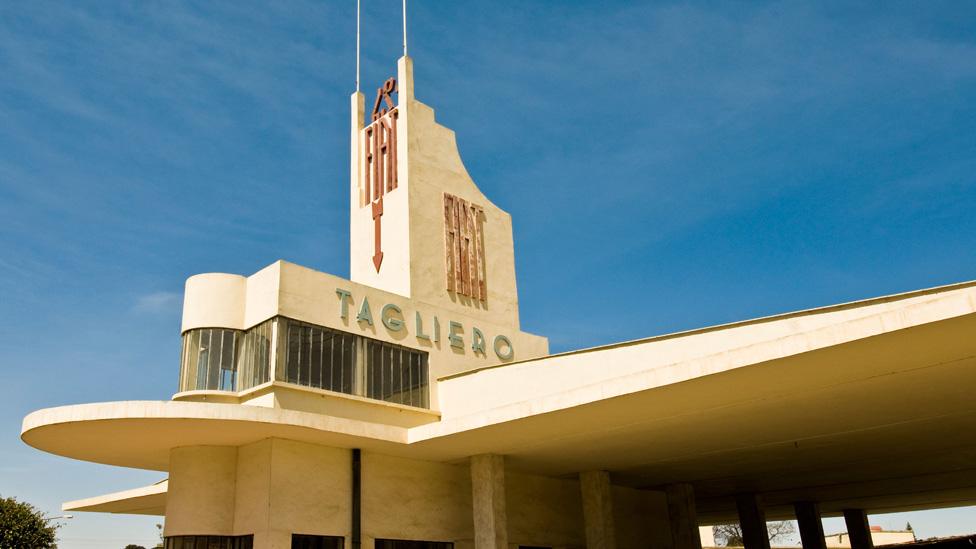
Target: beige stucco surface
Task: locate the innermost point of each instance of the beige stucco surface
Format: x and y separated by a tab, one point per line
214	300
429	165
310	490
488	502
289	396
877	538
271	489
274	494
144	500
544	512
833	393
202	489
432	501
640	518
293	291
254	487
639	365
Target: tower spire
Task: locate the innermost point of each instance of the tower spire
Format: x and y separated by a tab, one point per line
358	11
404	28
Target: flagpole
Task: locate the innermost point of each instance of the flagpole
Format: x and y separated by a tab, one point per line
357	45
404	28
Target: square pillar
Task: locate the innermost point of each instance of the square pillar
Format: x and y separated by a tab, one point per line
598	510
752	519
811	525
682	515
202	490
858	529
488	502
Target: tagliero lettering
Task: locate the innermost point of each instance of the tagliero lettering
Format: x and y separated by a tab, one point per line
395	320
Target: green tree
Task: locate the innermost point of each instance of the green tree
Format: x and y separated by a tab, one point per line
23	525
134	546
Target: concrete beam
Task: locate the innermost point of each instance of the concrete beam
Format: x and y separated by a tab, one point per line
810	524
858	529
488	502
598	510
752	519
683	519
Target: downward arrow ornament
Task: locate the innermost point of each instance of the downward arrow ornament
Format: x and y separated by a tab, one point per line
380	161
377	233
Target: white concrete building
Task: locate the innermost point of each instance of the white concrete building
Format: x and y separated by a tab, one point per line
879	536
406	409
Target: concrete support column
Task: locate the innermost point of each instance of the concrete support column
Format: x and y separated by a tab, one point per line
752	519
683	518
858	529
598	510
202	491
811	525
488	502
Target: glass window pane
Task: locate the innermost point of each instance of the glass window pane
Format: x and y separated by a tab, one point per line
203	359
387	380
411	544
398	375
424	380
335	365
348	364
191	356
213	359
305	363
261	351
294	348
315	358
227	351
372	370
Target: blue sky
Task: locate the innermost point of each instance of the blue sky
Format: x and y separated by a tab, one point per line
667	166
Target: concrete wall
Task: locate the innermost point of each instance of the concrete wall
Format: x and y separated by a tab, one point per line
413	275
253	509
277	487
878	538
271	489
412	499
573	379
230	301
429	165
641	519
202	490
544	511
311	491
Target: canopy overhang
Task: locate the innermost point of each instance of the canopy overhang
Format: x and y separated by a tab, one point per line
869	408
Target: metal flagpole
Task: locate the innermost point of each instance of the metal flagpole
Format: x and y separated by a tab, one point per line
357	45
404	28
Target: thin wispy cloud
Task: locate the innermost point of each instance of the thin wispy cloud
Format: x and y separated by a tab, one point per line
158	302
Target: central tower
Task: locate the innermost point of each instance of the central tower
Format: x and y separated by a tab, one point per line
419	226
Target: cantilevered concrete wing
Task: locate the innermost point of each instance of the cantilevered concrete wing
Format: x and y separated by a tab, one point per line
146	500
863	405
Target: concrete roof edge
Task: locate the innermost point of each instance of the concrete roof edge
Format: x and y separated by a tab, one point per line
736	324
160	487
176	410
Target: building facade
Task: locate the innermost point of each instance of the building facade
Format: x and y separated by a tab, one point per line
404	408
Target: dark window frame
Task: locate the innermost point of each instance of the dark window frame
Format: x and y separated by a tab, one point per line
315	541
206	542
411	544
